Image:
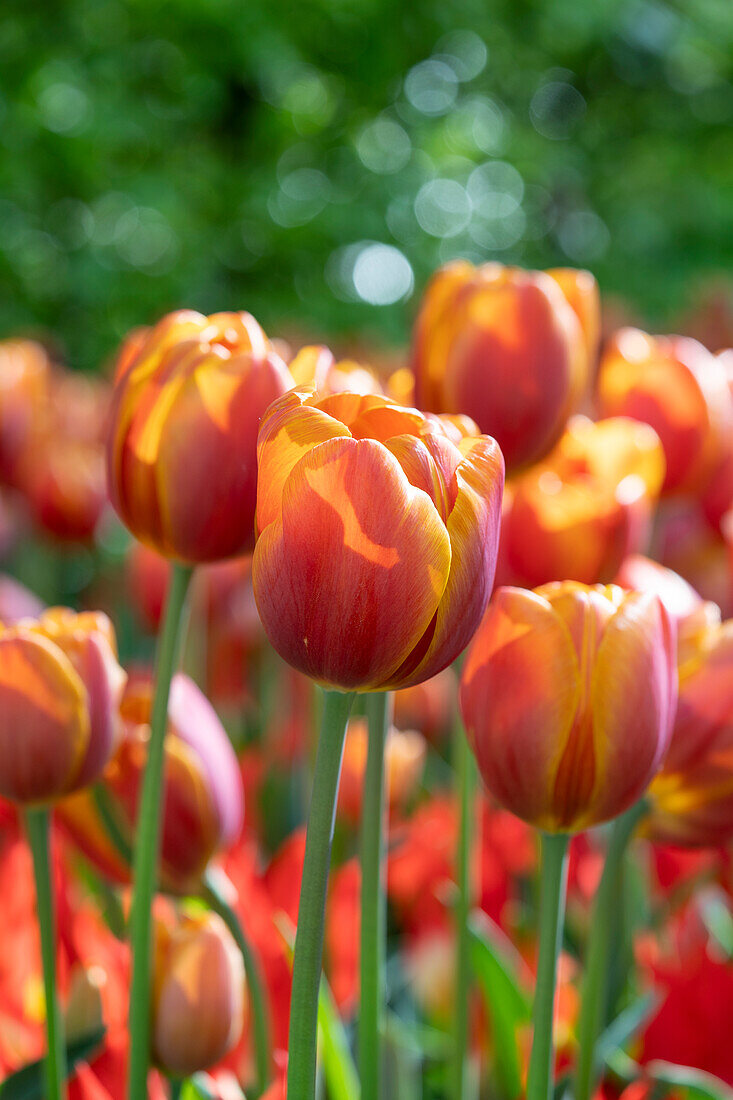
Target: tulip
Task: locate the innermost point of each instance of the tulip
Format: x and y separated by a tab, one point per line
581	740
64	483
506	347
377	541
316	366
60	685
194	378
17	602
581	290
692	797
568	695
198	995
589	504
25	374
203	803
677	386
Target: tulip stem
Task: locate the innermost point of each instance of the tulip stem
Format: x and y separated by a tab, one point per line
311	912
176	1088
373	899
553	882
595	978
37	827
148	837
214	897
466	787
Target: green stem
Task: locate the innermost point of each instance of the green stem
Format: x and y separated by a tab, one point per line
465	772
595	979
373	899
309	936
148	838
37	827
176	1088
214	897
554	870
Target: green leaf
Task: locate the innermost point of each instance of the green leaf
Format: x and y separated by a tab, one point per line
718	919
504	983
624	1027
29	1083
694	1083
338	1065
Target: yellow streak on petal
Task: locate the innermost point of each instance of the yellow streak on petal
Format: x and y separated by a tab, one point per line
148	441
355	537
217	390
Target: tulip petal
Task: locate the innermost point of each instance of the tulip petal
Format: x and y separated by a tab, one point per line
289	429
349	579
44	724
521	642
473	528
634	700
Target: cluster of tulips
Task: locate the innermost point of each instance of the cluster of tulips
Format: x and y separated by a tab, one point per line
305	523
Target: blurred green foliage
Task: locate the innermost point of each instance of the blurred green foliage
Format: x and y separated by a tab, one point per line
252	154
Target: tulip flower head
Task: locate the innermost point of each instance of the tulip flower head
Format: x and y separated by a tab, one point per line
506	347
568	695
181	456
404	761
677	386
203	803
377	538
315	365
692	797
60	686
577	514
198	994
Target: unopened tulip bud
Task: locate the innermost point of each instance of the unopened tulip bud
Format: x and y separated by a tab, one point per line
60	686
202	379
506	347
203	802
568	694
677	386
377	543
198	995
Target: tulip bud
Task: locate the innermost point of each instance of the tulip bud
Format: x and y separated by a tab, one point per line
64	483
198	995
692	797
506	347
568	694
17	602
377	543
677	386
25	372
203	802
589	504
192	378
316	366
60	685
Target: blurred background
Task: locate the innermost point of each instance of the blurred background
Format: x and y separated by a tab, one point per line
314	163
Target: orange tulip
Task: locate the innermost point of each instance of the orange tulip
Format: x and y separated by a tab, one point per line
580	512
568	695
198	994
25	374
64	483
677	386
377	541
181	455
60	685
404	760
315	365
203	802
506	347
692	797
581	290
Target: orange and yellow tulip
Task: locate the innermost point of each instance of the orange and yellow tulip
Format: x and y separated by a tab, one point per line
60	685
677	386
203	801
25	378
198	994
568	694
506	347
579	513
316	366
692	797
377	538
181	455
